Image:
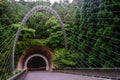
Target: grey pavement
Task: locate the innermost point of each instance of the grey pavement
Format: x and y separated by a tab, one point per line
44	75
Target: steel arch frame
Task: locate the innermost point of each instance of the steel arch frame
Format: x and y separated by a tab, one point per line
27	16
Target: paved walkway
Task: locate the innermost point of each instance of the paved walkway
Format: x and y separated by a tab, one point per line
43	75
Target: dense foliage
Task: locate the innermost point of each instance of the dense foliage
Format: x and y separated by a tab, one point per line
92	28
95	33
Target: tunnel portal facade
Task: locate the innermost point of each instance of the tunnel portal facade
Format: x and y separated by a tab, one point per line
36	58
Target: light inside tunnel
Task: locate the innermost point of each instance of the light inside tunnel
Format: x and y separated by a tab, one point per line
36	63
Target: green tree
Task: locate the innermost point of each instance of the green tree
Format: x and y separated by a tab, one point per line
97	38
55	38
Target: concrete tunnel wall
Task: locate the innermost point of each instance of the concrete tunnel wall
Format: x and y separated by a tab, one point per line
42	52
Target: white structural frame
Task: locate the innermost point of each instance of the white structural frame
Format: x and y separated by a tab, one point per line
25	19
36	55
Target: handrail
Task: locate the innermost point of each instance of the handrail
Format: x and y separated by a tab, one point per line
18	75
88	68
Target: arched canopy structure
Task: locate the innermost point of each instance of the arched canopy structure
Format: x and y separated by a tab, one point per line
28	15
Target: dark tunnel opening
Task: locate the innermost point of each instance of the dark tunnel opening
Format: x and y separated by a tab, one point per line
36	63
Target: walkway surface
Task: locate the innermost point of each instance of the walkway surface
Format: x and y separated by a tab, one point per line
43	75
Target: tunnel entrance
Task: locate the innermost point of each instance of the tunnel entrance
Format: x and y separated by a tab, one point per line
36	63
36	57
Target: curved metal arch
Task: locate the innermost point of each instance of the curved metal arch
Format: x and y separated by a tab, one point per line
28	15
37	55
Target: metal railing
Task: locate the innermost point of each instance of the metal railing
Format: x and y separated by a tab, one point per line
19	76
